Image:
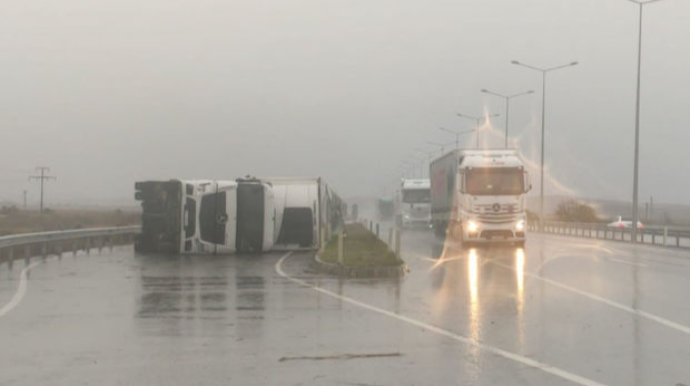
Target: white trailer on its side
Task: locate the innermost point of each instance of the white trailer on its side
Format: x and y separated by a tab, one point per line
308	212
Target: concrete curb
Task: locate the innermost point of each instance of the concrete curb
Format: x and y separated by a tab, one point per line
395	271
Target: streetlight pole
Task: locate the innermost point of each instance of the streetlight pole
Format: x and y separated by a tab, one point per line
439	145
457	135
477	121
543	71
507	104
636	167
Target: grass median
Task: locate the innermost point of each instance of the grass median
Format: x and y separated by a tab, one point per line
361	248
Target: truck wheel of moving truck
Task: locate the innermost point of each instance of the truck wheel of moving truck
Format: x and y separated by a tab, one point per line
439	229
455	231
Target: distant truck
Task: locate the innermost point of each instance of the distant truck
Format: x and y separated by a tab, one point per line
479	196
206	216
413	203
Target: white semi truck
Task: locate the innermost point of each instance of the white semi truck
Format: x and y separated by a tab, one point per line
479	196
413	203
206	216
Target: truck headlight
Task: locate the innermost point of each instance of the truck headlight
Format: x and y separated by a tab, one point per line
520	225
472	226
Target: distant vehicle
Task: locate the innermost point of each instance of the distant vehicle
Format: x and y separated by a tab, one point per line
413	203
206	216
479	196
620	223
308	212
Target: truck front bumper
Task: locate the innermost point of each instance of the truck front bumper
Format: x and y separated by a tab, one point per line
491	233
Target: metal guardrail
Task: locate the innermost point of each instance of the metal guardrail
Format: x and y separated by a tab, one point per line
58	242
660	236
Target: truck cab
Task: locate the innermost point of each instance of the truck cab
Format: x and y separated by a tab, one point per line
206	216
480	196
413	203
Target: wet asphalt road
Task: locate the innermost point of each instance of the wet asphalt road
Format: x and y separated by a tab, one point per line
563	311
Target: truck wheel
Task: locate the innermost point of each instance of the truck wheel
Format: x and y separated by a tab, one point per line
439	230
456	231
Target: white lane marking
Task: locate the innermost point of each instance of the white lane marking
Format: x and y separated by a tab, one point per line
470	342
626	262
21	289
611	303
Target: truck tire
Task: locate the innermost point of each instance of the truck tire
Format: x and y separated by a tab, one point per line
439	230
455	231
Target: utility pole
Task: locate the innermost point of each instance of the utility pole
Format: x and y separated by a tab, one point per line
42	178
25	192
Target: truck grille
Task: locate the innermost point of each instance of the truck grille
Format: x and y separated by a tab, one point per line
491	208
496	218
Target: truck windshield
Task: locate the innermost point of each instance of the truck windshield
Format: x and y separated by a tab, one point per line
416	196
494	182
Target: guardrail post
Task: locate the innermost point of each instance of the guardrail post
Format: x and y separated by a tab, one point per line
27	254
74	247
665	235
44	250
59	249
10	256
377	229
397	243
678	239
340	247
88	246
390	238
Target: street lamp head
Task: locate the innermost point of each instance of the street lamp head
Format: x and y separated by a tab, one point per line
574	63
514	62
484	90
530	92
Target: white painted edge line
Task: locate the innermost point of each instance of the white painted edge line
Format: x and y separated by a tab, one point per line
470	342
21	289
613	259
644	314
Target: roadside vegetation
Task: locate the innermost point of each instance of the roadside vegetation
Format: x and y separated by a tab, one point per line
361	248
16	221
576	211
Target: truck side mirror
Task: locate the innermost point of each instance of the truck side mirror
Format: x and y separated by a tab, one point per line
528	183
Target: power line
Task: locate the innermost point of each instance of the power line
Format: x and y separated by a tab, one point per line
42	178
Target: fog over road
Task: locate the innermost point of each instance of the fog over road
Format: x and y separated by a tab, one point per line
564	311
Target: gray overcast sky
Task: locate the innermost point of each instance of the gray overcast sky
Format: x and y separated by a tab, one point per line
111	92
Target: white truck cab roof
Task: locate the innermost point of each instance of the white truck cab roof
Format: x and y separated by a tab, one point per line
415	184
490	158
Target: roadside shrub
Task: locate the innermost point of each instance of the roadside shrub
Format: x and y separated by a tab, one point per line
572	210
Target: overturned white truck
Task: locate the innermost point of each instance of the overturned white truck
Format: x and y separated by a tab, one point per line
242	216
206	216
